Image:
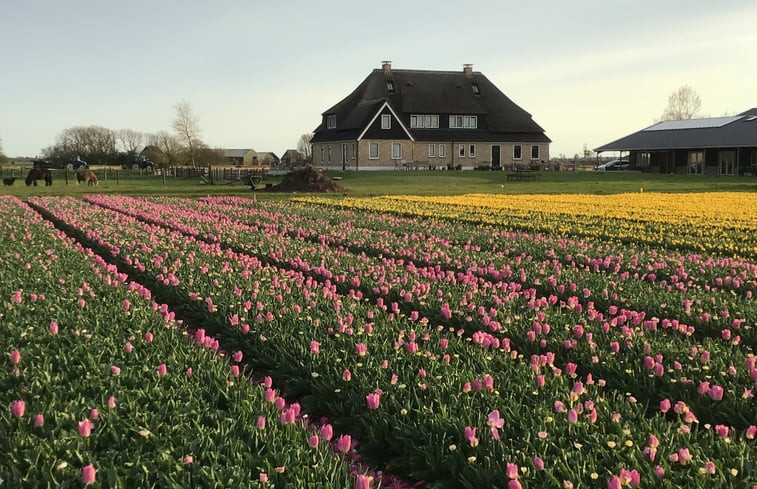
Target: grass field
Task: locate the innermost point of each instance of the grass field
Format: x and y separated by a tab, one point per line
366	184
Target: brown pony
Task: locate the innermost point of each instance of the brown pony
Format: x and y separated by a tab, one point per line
39	174
86	176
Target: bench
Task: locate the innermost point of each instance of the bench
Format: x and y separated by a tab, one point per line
522	175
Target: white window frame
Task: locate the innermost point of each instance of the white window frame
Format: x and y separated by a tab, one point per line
442	151
370	151
330	122
424	121
463	122
354	150
519	148
396	151
538	151
386	121
431	151
329	153
461	150
323	154
472	150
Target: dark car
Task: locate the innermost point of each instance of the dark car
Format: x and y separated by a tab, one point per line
73	164
614	165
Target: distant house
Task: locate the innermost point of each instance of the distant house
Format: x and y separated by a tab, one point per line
291	158
241	157
436	119
268	159
709	146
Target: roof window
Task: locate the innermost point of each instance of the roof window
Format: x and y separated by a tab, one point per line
390	86
476	90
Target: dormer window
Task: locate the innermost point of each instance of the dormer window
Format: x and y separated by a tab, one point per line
330	122
463	122
476	90
386	121
390	86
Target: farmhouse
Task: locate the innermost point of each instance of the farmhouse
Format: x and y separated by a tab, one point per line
246	157
401	119
709	146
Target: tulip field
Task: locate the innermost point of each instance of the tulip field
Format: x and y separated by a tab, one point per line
443	342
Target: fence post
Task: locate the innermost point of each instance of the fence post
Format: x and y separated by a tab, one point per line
65	172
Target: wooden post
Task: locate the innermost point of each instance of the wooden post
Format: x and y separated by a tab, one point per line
66	173
117	177
163	173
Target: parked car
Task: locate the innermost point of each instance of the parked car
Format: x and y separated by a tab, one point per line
73	164
614	165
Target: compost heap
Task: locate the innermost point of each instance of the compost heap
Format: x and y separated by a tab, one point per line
308	179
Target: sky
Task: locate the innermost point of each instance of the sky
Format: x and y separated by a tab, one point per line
259	74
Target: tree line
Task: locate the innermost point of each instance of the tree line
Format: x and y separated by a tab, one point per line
103	146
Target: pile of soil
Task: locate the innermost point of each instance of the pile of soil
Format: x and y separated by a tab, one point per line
308	179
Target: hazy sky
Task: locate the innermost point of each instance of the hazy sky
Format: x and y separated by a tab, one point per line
259	74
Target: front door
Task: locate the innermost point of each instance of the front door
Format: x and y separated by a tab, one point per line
496	163
344	156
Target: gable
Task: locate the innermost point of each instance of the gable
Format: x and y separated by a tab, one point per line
374	129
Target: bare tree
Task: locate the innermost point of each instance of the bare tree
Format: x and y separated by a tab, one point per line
93	143
130	140
186	125
168	144
3	158
304	147
684	103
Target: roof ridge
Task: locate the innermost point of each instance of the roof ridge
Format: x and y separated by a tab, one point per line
436	72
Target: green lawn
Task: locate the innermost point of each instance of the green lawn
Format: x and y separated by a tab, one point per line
369	183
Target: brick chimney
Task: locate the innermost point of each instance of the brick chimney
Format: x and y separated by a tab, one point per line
468	69
387	66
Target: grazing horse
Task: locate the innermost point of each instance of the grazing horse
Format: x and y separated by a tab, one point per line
86	176
39	174
8	181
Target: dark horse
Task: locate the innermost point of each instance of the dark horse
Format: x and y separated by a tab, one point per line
39	174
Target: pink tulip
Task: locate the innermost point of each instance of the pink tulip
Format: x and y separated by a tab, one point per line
261	422
363	482
53	327
235	370
659	472
344	443
188	372
263	477
572	416
326	432
665	405
237	356
88	474
115	370
85	428
716	393
360	349
373	400
313	441
162	369
39	420
148	337
18	408
94	413
538	463
614	483
511	471
188	459
470	436
347	375
111	402
315	347
15	357
751	432
128	347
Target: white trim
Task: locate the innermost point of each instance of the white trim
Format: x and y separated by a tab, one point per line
397	145
471	154
432	150
442	151
521	152
378	112
369	151
460	153
331	121
386	121
538	152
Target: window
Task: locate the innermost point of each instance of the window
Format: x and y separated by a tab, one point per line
463	122
472	151
442	151
396	151
476	90
390	86
330	121
461	150
373	151
696	162
534	151
329	151
431	150
754	157
424	121
517	152
386	121
354	150
323	154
